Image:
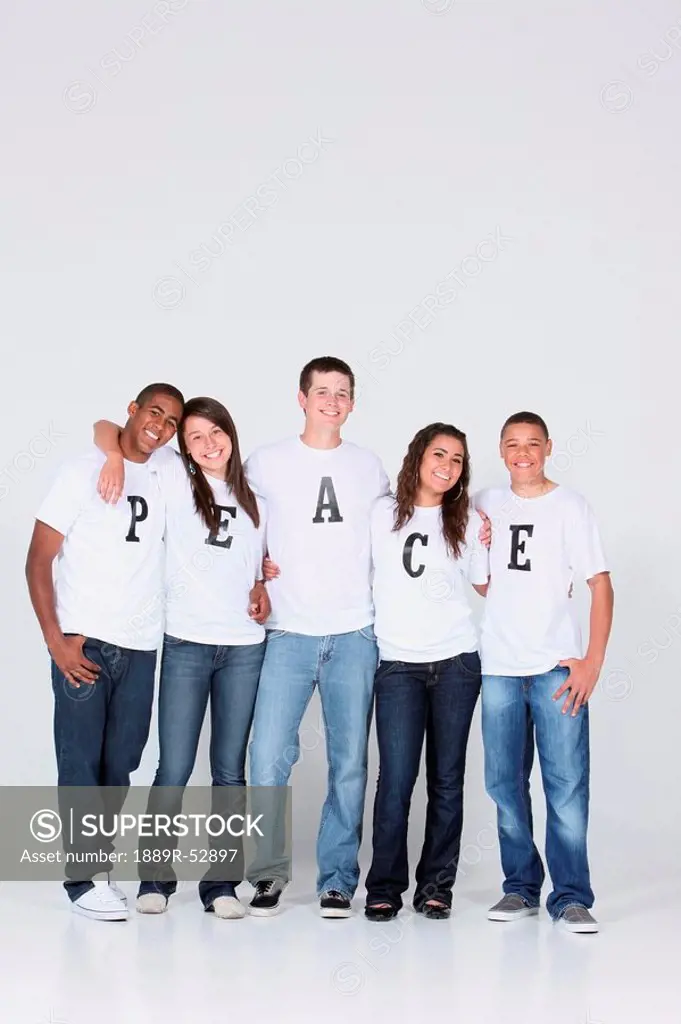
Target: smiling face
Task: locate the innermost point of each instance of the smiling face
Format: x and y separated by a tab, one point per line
441	466
208	445
525	448
152	424
328	402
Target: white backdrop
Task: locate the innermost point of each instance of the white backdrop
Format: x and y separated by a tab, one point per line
475	204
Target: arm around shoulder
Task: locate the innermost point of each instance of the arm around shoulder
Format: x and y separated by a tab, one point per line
112	474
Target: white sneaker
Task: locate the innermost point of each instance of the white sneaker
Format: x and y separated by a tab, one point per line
117	891
229	908
101	904
151	903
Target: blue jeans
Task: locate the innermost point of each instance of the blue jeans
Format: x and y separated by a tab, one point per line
343	668
511	707
435	700
101	729
191	673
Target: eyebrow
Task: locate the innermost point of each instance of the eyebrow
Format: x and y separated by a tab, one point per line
173	419
455	455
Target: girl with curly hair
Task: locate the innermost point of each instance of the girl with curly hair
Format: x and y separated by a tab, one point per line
427	544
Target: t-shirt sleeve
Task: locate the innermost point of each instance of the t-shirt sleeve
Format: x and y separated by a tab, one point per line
67	497
481	500
383	481
167	463
587	557
262	537
254	474
477	553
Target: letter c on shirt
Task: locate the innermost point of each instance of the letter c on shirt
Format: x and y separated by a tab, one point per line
408	552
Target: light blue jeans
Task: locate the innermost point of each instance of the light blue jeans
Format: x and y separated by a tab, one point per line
516	710
343	667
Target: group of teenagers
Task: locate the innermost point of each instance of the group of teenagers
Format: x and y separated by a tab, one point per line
300	569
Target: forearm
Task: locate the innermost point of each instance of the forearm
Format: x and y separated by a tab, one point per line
107	437
600	620
41	590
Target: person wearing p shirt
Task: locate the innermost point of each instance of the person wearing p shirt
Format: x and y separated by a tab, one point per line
102	616
537	679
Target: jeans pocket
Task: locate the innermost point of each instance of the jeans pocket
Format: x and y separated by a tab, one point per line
173	641
469	664
386	667
368	633
274	634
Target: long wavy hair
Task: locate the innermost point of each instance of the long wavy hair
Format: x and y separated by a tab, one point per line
454	501
235	478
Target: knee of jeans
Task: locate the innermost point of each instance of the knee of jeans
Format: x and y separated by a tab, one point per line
270	767
172	774
228	777
571	822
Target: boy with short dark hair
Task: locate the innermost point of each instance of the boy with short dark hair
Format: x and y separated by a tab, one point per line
537	680
100	618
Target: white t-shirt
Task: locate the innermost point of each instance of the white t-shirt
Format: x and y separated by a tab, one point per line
539	547
208	578
420	588
109	572
318	510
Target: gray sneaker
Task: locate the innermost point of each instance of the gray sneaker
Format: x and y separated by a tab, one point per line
577	918
510	908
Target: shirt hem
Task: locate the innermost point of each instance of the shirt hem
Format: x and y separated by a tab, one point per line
322	629
222	641
116	640
521	671
423	657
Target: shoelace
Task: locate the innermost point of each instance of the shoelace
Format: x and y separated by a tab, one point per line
335	895
265	888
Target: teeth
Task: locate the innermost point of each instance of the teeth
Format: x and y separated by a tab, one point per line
214	455
154	437
441	476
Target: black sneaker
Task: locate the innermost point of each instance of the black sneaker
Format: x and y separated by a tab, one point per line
334	904
265	903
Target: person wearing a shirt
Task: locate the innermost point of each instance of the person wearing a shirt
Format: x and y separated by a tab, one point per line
319	491
538	674
426	551
214	639
99	616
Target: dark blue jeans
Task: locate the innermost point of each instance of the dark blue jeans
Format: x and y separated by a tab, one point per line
513	707
435	700
191	674
101	729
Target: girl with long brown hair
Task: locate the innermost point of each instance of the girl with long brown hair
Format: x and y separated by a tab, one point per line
214	639
426	545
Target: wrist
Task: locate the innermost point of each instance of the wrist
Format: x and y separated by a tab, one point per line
53	637
594	661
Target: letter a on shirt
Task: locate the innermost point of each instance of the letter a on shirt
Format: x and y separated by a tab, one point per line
327	501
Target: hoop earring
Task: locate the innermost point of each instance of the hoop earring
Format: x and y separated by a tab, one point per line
460	492
192	467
